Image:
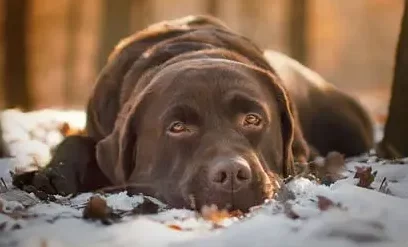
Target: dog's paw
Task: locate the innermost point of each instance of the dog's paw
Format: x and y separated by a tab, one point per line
53	180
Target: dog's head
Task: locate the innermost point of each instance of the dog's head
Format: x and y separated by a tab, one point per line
202	131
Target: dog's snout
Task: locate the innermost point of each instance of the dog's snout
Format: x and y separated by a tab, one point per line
230	175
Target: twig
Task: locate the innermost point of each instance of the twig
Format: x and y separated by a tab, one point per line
382	183
4	183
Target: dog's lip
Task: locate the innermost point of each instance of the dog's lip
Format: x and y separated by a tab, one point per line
231	201
229	205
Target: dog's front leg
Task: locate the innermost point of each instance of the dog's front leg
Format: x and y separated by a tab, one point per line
72	169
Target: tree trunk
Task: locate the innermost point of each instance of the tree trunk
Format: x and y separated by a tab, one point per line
115	26
395	141
16	88
73	21
298	30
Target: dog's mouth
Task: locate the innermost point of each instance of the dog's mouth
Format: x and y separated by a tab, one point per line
264	186
247	184
233	203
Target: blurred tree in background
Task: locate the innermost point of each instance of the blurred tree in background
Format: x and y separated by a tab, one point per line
16	90
395	141
115	25
298	26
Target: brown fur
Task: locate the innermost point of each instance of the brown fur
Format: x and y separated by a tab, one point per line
198	71
330	119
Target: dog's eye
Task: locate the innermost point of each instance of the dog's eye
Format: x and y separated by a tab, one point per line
177	127
252	119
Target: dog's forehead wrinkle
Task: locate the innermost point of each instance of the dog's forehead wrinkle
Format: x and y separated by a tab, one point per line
199	68
206	102
211	92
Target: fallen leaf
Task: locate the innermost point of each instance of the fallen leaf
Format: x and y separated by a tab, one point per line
175	227
97	209
365	175
211	213
236	214
324	203
289	212
67	130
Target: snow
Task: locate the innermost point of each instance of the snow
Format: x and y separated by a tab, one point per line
364	217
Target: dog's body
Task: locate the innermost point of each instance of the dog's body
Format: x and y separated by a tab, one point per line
192	113
330	119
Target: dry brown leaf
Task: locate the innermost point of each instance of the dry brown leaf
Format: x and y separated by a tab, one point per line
97	209
67	130
289	212
175	227
236	213
324	203
213	214
365	175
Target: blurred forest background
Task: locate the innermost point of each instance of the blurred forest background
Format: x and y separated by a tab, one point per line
52	50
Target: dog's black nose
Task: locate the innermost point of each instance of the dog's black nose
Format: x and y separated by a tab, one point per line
230	175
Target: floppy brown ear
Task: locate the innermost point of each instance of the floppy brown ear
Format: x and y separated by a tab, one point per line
114	153
294	145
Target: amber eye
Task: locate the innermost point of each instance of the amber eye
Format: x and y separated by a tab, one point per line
252	119
177	127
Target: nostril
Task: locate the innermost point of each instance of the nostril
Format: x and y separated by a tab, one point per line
243	175
230	175
223	177
220	177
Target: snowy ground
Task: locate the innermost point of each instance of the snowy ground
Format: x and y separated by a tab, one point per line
343	214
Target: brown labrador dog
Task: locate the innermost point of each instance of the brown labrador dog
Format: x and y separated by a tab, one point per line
192	113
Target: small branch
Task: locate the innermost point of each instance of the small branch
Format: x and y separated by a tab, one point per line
4	183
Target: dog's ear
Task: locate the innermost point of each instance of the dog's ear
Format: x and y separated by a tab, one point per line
115	153
294	145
